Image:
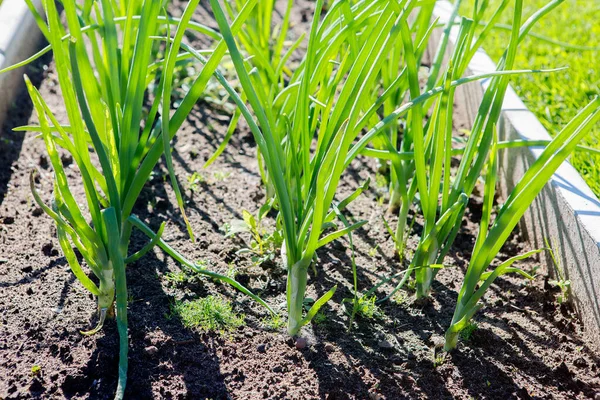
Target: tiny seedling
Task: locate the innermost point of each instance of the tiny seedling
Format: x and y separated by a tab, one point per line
232	270
220	176
373	251
36	370
195	181
264	245
319	318
400	298
130	297
176	277
563	284
439	358
381	182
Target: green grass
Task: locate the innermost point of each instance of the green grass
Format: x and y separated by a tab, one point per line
467	333
556	98
273	322
366	308
210	313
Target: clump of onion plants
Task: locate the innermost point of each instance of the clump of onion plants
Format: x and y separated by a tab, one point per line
103	58
309	134
493	235
305	134
422	161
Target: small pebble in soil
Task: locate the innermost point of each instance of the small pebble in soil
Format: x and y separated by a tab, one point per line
397	360
384	344
580	363
301	343
376	396
261	348
278	369
151	350
37	212
329	348
48	250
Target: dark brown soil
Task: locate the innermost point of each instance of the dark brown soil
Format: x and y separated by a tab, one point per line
526	346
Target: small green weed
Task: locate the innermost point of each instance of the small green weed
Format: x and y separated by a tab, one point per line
467	333
211	313
194	181
381	182
232	270
373	251
264	245
176	277
130	296
274	322
401	298
365	307
563	284
319	319
186	275
36	370
439	358
220	176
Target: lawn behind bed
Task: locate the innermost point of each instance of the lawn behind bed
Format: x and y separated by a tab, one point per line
556	98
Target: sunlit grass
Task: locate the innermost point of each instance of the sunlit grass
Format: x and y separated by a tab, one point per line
556	98
211	313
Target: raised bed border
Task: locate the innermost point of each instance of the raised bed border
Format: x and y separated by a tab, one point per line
566	212
19	38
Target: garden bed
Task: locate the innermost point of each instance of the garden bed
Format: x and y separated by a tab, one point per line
527	345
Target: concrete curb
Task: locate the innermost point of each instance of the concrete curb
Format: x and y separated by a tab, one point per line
566	212
19	38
